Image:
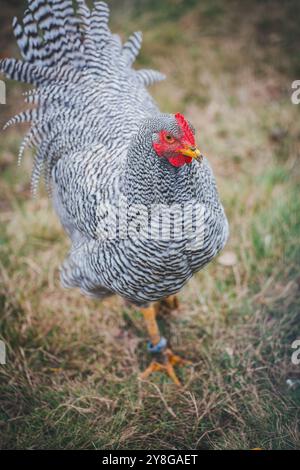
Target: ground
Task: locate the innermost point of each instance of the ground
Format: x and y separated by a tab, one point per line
71	378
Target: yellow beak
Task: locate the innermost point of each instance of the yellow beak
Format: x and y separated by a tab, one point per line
192	152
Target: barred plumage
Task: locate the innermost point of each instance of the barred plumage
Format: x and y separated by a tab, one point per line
93	125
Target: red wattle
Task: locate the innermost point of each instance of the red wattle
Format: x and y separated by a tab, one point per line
179	160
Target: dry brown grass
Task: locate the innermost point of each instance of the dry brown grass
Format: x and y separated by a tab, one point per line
71	374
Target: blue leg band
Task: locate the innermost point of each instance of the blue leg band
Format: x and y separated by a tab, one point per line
157	348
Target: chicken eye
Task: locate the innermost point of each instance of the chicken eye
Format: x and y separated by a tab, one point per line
169	138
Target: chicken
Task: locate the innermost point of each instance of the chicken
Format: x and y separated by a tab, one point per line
129	185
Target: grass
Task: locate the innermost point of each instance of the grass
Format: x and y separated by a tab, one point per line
72	363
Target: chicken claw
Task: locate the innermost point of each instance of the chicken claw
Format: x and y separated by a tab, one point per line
167	366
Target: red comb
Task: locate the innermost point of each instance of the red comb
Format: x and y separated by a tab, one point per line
187	131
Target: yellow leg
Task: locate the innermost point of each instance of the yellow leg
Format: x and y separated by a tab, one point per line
169	303
151	323
169	360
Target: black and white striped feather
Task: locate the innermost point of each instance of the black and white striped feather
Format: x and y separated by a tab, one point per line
93	124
